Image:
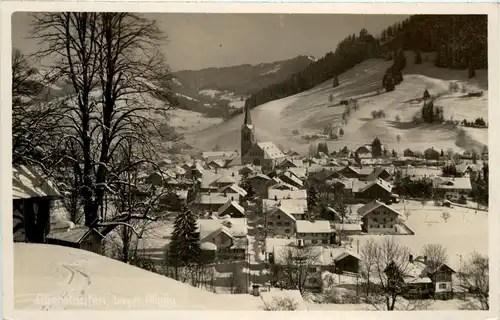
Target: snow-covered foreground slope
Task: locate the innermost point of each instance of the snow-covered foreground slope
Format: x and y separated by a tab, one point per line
49	277
310	112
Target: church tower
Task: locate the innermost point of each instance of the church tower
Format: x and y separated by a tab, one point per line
247	133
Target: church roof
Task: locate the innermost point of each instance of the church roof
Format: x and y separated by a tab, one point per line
271	151
248	118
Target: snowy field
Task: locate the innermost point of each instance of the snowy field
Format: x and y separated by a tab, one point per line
465	231
185	121
310	112
66	278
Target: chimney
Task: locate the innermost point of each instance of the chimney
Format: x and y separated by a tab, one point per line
232	174
225	193
300	243
255	290
425	259
410	258
232	198
275	198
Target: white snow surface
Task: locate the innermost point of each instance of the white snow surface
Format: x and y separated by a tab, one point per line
68	279
310	112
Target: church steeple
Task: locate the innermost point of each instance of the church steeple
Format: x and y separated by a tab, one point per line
248	118
247	133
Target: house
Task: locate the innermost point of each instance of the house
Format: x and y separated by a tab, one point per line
291	163
316	259
234	188
212	202
431	154
314	232
416	279
232	209
408	153
223	156
81	237
280	221
377	217
453	189
296	207
216	164
442	279
290	178
370	190
348	172
229	235
259	183
33	196
378	173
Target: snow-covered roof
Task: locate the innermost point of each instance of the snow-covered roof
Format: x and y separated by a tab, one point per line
235	188
453	183
347	226
228	204
284	210
287	194
236	227
295	206
317	226
27	183
271	151
73	235
218	198
369	207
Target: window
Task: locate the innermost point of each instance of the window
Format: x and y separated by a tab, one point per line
269	223
314	241
287	224
279	217
442	286
311	269
325	241
287	230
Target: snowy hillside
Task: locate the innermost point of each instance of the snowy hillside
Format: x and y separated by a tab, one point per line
311	112
66	278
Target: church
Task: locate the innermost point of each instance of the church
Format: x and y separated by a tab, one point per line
264	154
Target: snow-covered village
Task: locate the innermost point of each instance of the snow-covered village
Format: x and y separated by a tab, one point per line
357	181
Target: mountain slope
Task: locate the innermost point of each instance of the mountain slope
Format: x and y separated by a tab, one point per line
310	112
218	92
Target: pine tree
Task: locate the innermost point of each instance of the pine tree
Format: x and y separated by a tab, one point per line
426	94
341	132
184	248
312	198
376	147
336	81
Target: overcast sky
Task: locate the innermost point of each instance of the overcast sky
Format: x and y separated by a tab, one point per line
199	40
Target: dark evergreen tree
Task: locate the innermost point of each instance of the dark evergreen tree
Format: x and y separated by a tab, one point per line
184	248
376	147
312	198
426	94
394	154
341	132
336	81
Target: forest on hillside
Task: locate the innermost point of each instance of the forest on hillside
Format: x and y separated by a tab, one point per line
460	41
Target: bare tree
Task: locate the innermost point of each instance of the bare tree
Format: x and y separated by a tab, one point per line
390	264
281	304
368	255
474	274
407	213
112	63
445	215
294	267
32	119
436	255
